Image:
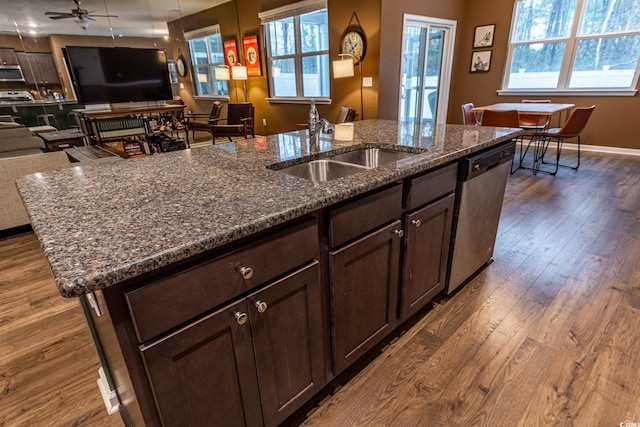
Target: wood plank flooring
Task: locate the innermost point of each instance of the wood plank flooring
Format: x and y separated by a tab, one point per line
548	334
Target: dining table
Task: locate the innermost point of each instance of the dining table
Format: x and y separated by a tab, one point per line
532	108
538	108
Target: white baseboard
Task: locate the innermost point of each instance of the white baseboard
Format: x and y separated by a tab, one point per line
600	149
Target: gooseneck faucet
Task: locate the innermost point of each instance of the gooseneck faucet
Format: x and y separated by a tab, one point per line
317	124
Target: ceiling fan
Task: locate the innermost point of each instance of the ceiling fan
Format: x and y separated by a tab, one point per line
83	16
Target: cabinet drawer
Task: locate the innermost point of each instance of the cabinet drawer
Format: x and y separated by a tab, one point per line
361	216
430	186
180	296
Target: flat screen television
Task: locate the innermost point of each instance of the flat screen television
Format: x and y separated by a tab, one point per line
112	75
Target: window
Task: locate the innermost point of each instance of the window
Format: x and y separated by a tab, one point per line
297	44
205	46
574	46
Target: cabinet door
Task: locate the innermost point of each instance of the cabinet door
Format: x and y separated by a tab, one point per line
28	66
204	374
364	286
8	56
47	72
286	321
428	231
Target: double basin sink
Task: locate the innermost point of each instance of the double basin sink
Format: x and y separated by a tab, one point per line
344	164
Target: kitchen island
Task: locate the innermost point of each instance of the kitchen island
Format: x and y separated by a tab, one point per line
174	250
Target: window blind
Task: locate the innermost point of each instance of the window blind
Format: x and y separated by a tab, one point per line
202	32
297	8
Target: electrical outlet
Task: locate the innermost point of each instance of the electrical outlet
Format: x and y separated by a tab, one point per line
264	122
367	81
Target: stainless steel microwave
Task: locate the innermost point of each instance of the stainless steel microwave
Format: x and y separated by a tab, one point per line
11	73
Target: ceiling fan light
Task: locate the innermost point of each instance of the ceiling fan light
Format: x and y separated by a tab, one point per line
83	22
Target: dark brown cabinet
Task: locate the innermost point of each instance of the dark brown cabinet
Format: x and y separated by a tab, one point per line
38	68
205	374
428	232
364	283
286	324
8	56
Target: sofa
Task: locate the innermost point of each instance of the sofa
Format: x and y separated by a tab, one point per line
21	154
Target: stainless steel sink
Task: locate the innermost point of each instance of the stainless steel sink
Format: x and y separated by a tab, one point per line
323	170
372	157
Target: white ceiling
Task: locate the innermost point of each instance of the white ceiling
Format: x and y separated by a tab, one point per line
136	18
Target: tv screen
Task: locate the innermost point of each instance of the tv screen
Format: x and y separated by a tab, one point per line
118	74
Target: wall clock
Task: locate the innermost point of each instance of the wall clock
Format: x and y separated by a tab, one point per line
355	43
353	40
181	66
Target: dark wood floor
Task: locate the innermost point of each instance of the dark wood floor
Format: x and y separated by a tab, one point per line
548	334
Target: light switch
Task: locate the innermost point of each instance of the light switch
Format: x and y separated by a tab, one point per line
367	81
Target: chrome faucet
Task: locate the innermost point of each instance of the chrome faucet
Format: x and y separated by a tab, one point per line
317	124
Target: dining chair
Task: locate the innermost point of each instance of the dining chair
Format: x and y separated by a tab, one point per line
572	128
200	121
534	122
509	119
345	115
239	122
506	119
468	117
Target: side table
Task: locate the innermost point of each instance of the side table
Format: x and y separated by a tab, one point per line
59	140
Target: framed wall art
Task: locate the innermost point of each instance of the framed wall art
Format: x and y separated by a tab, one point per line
230	53
251	55
483	36
480	61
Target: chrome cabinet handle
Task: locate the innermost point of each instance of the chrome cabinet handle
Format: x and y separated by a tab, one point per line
241	318
416	222
246	272
261	306
399	233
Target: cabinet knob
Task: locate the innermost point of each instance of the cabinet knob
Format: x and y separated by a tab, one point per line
399	233
416	222
241	318
261	306
246	272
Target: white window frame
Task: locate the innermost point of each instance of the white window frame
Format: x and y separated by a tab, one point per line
568	59
293	10
200	34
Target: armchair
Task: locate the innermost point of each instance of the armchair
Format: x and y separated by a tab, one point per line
202	122
239	122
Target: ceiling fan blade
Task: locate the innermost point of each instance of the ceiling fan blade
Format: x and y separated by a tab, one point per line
58	13
62	16
105	16
88	17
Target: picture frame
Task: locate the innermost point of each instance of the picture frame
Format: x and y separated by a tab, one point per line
251	56
173	74
230	53
480	61
483	36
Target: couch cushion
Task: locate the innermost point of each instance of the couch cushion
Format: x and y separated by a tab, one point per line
37	130
15	144
12	211
18	153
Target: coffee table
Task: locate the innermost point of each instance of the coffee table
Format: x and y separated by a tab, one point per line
61	139
90	153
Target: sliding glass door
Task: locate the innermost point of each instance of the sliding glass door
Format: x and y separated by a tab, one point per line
427	56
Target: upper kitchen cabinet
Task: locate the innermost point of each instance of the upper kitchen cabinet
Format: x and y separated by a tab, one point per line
38	68
8	56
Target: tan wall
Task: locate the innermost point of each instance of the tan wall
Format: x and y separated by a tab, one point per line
223	15
612	123
283	117
391	47
26	44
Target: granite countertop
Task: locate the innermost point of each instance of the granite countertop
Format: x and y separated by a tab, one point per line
102	224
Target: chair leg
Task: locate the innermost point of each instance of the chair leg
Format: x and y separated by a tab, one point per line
578	164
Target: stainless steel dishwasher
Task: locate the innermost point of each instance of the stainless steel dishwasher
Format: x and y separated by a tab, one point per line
481	186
